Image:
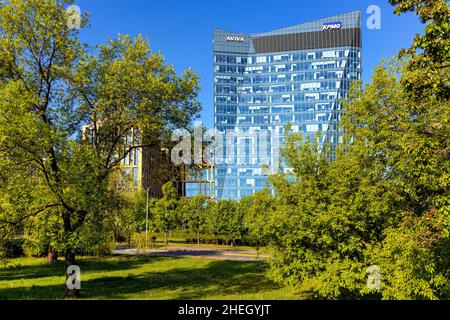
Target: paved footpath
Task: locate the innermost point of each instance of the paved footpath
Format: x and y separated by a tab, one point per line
196	252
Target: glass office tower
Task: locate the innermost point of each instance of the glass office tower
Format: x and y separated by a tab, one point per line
296	75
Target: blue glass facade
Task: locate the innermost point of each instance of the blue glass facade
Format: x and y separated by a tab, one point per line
262	83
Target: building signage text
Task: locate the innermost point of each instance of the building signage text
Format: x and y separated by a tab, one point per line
332	25
235	39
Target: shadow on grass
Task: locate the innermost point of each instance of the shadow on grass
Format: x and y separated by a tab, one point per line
217	278
214	278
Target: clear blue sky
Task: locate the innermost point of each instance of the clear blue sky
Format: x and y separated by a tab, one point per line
182	30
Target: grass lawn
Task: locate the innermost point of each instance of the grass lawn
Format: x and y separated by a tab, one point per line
142	278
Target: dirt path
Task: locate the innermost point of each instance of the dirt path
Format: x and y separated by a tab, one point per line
197	252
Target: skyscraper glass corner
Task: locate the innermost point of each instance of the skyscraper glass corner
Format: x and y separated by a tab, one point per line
296	75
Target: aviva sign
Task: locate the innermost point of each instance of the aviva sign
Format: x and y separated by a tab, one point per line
235	39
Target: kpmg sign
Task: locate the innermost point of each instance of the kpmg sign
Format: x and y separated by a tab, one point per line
235	39
332	25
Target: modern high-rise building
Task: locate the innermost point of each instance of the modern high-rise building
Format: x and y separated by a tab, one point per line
263	82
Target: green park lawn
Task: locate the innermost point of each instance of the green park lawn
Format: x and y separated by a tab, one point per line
142	278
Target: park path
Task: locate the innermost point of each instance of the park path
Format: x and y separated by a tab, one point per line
206	252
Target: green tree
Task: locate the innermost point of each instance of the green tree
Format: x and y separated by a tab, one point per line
428	67
166	210
226	221
195	213
411	140
319	226
413	252
382	202
258	211
50	86
131	216
385	200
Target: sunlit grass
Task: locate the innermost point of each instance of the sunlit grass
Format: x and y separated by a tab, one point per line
142	278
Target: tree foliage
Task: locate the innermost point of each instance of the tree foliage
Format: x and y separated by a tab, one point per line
56	180
167	210
225	221
385	200
258	211
195	212
428	67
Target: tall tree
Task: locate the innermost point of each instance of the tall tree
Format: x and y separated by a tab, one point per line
167	211
386	200
428	68
196	215
225	221
50	86
258	211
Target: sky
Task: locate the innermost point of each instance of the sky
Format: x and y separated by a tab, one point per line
182	30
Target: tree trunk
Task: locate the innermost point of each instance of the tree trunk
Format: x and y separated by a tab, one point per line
52	255
70	260
198	238
257	259
165	238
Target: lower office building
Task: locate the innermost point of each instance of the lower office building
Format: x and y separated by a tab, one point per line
146	167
